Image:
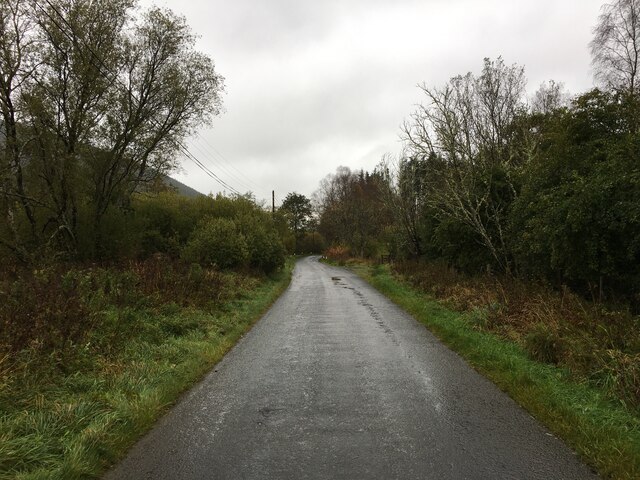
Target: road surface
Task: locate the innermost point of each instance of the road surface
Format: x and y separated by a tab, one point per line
336	382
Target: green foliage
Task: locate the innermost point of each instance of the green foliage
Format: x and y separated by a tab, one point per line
311	242
454	242
216	241
296	208
71	409
164	223
577	219
265	249
167	220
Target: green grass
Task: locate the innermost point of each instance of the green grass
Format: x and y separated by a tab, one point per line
604	433
74	423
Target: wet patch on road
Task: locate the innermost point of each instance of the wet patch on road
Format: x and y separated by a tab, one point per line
368	306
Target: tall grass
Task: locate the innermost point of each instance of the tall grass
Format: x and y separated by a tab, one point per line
596	343
77	389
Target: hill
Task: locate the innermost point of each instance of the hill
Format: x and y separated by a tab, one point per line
180	187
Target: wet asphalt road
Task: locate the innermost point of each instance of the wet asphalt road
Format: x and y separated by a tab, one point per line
336	382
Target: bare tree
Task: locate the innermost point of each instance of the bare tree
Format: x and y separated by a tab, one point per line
404	193
550	96
615	47
464	130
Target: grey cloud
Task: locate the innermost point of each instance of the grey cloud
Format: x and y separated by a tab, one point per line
316	84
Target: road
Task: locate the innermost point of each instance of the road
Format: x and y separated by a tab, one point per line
336	382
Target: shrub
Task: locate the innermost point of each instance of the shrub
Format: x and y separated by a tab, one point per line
543	344
43	309
216	241
311	242
265	249
337	253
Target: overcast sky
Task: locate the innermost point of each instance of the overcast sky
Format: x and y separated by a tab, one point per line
312	85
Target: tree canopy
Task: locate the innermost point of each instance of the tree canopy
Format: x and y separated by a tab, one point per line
298	212
547	189
615	46
96	101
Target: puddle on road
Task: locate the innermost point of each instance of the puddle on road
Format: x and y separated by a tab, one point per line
338	282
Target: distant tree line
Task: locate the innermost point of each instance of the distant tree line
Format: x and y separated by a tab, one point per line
545	188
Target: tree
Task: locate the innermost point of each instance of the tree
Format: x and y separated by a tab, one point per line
615	47
80	51
297	209
404	192
170	90
577	219
351	210
17	64
549	97
466	132
104	103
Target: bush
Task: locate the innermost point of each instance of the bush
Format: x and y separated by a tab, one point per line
311	242
543	344
337	253
265	249
216	241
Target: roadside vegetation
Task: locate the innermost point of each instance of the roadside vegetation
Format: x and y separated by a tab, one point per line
593	420
92	352
116	293
106	350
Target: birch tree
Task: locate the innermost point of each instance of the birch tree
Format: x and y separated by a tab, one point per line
465	129
615	47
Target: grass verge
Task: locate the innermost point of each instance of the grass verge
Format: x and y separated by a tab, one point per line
603	432
73	413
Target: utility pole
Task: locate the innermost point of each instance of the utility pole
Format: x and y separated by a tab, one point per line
273	202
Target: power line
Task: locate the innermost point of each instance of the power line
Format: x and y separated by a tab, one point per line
209	156
231	165
115	79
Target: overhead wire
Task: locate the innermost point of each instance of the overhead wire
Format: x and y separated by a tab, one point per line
210	159
225	160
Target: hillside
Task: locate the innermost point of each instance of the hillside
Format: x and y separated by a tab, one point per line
181	188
